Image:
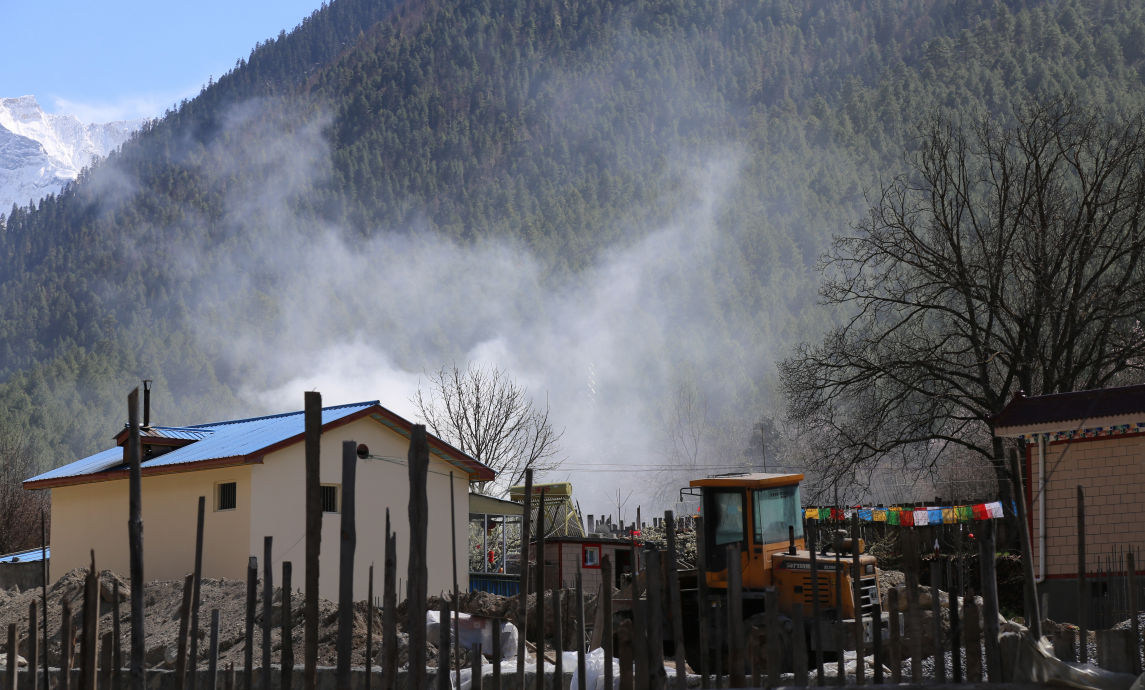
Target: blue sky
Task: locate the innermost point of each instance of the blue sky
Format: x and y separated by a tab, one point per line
120	59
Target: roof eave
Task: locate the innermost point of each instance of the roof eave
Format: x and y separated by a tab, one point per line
146	471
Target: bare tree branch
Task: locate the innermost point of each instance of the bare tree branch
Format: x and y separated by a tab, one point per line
486	414
1008	258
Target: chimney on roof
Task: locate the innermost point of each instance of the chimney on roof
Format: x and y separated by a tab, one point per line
147	402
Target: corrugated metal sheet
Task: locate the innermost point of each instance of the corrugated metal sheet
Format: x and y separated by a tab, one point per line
100	462
246	436
185	433
29	556
1064	407
220	440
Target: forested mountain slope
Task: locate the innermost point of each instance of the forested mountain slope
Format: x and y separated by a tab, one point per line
567	130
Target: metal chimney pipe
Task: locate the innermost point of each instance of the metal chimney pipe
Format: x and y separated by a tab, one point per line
147	402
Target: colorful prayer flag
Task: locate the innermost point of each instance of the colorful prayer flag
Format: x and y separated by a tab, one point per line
995	509
907	518
965	513
935	516
921	517
865	514
894	516
949	517
879	515
980	512
811	513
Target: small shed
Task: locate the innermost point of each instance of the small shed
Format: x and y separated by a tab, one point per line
566	556
24	569
1093	442
494	544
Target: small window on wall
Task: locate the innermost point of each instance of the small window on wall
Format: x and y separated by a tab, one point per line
590	556
226	496
330	498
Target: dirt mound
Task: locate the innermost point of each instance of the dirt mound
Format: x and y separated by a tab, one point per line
162	601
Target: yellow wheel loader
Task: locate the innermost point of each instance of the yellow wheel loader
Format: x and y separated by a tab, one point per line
763	515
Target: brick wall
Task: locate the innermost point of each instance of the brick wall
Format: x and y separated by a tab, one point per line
1112	472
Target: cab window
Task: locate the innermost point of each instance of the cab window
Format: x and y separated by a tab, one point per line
774	511
729	517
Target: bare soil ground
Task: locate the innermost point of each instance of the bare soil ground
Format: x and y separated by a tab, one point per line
162	613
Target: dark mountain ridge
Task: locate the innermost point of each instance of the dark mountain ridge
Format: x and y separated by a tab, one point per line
564	128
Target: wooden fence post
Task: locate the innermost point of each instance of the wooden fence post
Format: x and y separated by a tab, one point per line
313	433
857	598
213	654
349	543
541	613
1082	592
251	598
443	647
196	596
675	610
456	589
841	664
44	599
639	627
558	640
184	628
971	626
90	658
657	678
936	620
104	661
580	665
1030	587
799	645
34	651
986	553
606	618
624	635
735	617
67	646
12	669
816	613
369	629
287	673
1134	609
135	543
418	571
116	648
267	608
913	612
955	629
705	606
523	594
774	648
895	638
475	673
390	613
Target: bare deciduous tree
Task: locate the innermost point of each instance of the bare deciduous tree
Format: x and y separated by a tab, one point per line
488	415
19	509
1008	258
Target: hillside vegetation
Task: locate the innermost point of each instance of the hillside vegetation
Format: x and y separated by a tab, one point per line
567	130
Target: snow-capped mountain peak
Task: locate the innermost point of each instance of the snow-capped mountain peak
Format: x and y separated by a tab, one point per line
40	152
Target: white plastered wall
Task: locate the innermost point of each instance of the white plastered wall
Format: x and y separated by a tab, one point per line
277	510
94	516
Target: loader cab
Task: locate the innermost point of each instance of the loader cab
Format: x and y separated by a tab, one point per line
755	511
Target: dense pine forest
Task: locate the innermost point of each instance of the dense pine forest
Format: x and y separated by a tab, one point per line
276	213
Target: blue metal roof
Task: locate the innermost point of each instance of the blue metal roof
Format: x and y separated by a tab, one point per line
25	556
229	439
186	433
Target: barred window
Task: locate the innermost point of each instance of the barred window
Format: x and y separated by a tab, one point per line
330	498
227	496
